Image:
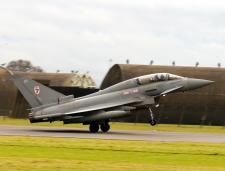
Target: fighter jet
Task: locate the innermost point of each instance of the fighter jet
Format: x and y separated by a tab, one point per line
97	109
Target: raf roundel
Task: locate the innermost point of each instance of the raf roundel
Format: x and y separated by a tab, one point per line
37	90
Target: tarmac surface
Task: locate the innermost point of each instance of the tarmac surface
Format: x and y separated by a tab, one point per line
112	134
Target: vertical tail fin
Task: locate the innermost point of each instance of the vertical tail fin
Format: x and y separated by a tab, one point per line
35	93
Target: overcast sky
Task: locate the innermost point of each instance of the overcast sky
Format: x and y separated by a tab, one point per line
85	34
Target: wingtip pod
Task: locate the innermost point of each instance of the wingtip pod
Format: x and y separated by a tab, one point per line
9	71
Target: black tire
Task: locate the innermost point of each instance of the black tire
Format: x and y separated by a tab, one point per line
94	127
153	122
105	127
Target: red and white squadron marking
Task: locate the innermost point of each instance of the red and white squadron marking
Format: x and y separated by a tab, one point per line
37	90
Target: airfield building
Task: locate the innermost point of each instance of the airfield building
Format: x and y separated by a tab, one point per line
13	104
201	106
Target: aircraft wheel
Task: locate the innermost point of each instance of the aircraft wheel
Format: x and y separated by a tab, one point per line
94	127
153	122
105	127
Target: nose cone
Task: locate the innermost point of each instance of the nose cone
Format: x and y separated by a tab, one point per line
193	83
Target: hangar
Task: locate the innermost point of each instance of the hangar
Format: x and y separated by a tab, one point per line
201	106
13	104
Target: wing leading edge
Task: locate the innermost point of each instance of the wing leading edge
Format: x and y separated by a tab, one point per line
91	109
105	106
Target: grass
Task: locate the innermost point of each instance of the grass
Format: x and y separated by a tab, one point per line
65	154
125	126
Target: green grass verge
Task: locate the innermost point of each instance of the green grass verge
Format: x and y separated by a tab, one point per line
125	126
65	154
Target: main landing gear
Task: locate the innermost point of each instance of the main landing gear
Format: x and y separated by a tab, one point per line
105	126
94	127
152	121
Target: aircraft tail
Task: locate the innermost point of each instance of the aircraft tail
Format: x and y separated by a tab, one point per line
36	94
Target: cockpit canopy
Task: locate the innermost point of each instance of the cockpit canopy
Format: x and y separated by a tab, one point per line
156	78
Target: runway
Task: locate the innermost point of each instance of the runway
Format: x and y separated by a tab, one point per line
113	134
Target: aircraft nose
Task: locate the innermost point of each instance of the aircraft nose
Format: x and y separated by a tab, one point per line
193	83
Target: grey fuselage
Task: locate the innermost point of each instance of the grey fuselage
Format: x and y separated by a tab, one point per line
123	97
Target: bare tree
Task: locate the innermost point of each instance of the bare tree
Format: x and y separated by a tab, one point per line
173	63
23	66
151	62
196	64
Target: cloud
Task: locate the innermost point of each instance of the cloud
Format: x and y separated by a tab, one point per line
83	35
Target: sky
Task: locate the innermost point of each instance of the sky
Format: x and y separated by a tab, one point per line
92	35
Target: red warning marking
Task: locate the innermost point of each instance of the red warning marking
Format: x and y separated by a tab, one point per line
133	91
126	92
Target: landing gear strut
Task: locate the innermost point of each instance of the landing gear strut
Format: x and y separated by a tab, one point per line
152	118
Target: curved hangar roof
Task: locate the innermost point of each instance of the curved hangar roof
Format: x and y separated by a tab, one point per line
15	105
206	103
59	79
121	72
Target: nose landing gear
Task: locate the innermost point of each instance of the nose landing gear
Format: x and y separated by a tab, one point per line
152	121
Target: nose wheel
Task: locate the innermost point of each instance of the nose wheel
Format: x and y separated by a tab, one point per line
152	121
